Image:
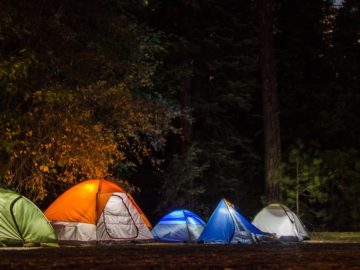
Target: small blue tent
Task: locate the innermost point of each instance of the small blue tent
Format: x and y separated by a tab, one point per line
226	225
179	226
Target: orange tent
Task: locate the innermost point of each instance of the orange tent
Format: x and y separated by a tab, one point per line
98	210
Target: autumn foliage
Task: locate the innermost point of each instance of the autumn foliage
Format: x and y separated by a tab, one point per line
70	105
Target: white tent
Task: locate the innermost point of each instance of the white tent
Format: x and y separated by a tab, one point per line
280	220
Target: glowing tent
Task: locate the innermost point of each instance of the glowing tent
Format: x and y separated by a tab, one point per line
22	222
98	210
226	226
279	220
179	226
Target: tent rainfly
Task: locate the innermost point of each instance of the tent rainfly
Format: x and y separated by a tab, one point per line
227	226
179	226
279	220
22	223
98	211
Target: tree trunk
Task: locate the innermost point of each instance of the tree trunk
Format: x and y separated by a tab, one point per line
270	102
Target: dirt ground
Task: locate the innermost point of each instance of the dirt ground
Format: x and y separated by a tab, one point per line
186	256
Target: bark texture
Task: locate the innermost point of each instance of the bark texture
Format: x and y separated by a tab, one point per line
272	143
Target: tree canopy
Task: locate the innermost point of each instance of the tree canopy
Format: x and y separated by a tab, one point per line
164	97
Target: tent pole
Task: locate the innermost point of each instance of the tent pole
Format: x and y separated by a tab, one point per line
297	189
13	216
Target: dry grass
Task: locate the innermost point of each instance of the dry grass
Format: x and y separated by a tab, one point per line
350	237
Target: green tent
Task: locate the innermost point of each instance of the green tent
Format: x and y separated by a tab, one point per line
22	223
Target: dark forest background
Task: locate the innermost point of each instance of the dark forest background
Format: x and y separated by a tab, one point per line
166	96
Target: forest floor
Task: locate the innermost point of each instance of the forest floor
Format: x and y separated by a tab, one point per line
306	255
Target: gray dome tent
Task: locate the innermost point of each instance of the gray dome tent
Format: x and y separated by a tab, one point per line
280	220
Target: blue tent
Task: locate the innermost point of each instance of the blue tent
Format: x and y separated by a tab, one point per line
226	225
179	226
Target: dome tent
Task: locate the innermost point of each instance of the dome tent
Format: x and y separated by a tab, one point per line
22	223
179	226
280	220
227	226
96	211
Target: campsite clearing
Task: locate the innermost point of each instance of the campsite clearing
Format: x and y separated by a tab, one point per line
306	255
